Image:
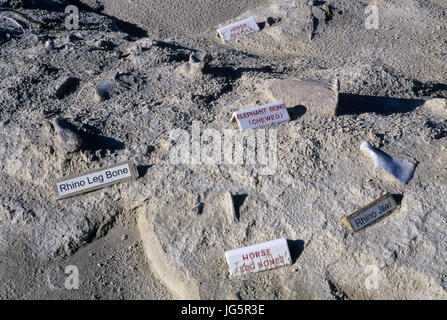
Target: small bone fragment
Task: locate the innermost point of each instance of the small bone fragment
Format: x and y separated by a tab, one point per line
14	21
114	74
437	106
196	64
234	296
24	18
66	136
230	206
316	95
401	169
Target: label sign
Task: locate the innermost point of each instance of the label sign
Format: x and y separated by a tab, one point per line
94	180
237	29
259	257
371	213
261	116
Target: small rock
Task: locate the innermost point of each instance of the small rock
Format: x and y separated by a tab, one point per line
437	106
185	68
66	136
124	237
113	74
196	69
271	21
103	90
145	43
401	169
103	44
139	46
100	44
49	45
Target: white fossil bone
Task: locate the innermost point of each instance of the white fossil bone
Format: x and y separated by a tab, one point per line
230	206
401	169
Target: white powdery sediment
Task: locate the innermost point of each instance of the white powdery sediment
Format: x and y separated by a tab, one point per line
401	169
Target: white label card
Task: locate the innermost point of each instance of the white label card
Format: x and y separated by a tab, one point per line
259	257
372	213
94	180
261	116
238	29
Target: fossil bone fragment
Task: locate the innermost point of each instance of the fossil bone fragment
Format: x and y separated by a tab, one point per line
401	169
316	95
230	206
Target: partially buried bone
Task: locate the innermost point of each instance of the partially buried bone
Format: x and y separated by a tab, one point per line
230	207
401	169
196	64
319	96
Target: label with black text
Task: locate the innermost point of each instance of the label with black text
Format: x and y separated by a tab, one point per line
371	213
94	180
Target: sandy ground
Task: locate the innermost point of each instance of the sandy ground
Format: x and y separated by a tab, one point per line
162	18
120	237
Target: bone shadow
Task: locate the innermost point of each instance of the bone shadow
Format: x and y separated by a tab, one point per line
238	201
68	88
296	112
95	142
296	248
429	89
270	22
29	4
142	170
233	74
131	29
315	22
399	198
353	104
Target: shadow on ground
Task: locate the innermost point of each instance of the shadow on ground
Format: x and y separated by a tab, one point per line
142	170
296	112
238	202
95	142
296	248
353	104
235	73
